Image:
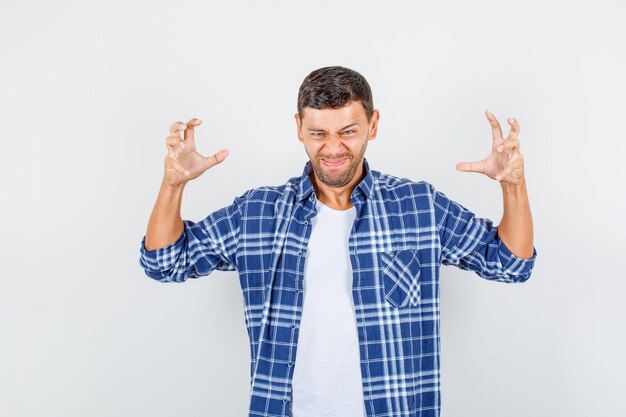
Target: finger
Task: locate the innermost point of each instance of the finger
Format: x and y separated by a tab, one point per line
496	131
216	158
514	133
512	144
176	128
191	124
175	145
471	166
174	164
514	164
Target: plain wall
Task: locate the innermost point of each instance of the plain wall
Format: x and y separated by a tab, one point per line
88	91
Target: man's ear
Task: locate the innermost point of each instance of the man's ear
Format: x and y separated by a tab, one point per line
299	127
374	124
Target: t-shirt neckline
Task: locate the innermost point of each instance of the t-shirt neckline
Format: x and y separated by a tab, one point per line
327	209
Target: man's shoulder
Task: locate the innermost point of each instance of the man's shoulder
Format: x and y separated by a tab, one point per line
388	183
271	193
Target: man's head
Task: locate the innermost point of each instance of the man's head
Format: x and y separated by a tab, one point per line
335	120
332	88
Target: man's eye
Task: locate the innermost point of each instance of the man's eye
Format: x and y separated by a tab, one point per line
317	134
348	132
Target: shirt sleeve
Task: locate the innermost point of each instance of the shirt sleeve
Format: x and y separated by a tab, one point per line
201	248
472	243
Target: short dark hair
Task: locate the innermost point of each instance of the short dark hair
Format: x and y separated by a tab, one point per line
332	88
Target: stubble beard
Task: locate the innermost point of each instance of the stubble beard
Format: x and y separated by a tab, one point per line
341	178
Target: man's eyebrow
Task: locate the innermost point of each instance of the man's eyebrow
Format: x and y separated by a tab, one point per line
312	129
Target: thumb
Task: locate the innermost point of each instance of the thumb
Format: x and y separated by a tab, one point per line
216	158
471	166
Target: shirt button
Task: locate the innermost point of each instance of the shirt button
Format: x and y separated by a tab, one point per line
293	326
298	291
284	400
306	222
290	364
299	253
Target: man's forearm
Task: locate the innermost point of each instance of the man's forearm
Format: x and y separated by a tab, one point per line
165	225
516	226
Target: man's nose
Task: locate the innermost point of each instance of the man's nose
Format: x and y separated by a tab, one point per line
335	143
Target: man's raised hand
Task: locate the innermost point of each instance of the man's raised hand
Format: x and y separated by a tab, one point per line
505	163
183	162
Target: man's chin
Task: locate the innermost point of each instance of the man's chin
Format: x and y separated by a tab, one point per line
335	183
334	179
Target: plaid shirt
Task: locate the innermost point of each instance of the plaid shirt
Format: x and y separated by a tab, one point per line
403	232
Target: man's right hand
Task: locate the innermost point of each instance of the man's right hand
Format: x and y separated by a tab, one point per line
183	162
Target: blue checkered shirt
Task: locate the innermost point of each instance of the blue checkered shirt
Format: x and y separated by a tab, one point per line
403	232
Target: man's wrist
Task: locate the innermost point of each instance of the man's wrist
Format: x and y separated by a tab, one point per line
172	190
514	189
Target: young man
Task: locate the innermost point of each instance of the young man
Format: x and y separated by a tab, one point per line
339	267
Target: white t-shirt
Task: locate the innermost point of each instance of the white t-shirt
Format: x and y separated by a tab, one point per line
327	372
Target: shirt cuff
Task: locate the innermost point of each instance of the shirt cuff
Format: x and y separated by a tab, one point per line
161	259
513	264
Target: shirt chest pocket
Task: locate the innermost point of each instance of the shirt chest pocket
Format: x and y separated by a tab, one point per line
401	277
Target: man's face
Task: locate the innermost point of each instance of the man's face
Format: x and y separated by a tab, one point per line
335	140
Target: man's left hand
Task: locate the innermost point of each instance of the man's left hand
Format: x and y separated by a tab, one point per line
505	163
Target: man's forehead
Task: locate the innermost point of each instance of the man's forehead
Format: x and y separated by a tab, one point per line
338	118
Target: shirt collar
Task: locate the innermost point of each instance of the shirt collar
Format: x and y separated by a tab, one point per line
365	187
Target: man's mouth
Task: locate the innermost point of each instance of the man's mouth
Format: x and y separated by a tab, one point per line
331	163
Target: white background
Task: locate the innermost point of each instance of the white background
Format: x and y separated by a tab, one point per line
88	91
